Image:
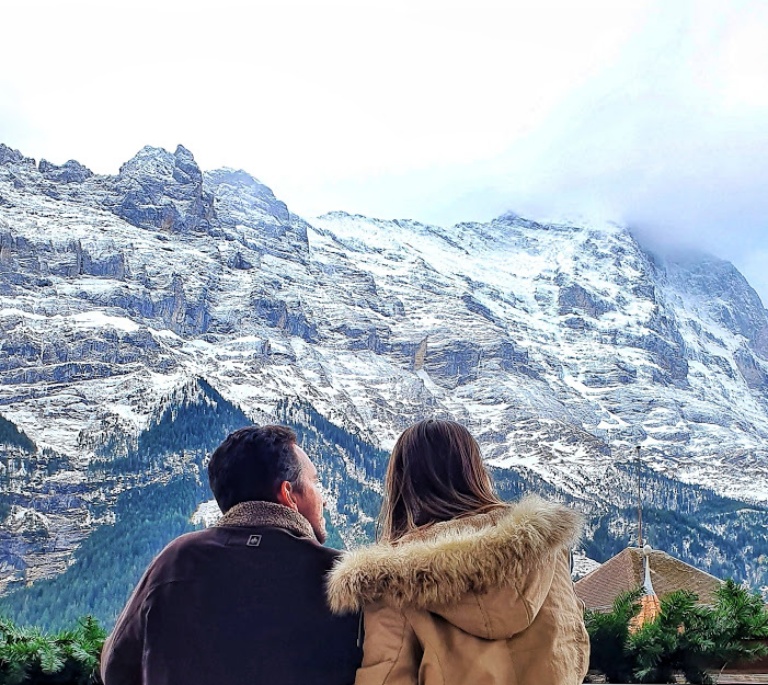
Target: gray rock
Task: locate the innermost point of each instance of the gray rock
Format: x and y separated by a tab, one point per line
729	297
279	314
753	373
236	191
452	363
9	156
575	299
69	172
164	191
514	360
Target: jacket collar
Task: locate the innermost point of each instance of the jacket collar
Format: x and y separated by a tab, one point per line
442	563
267	514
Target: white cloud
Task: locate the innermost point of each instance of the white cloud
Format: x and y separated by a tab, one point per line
649	111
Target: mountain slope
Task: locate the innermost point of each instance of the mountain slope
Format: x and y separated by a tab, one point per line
562	348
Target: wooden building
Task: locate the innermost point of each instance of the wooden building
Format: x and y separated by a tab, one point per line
627	571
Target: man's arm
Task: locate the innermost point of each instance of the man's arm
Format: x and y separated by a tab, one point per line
122	654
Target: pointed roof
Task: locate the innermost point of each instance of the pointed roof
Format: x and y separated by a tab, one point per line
626	572
648	581
650	608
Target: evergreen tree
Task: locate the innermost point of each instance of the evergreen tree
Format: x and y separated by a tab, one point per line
685	637
11	435
609	637
69	657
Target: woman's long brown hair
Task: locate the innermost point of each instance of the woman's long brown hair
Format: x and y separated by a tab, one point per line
435	474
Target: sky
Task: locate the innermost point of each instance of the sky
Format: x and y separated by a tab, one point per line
650	114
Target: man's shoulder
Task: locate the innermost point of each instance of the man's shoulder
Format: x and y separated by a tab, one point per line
285	542
182	547
244	535
190	540
203	547
303	545
328	552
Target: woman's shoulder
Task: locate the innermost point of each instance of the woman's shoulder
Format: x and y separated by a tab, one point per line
439	564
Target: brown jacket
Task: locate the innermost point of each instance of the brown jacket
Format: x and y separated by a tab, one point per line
240	603
482	600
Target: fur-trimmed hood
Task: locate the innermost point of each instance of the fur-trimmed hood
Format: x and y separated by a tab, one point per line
438	567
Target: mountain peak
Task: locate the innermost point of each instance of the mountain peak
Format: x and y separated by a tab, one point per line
234	177
235	188
158	162
157	189
183	153
10	156
69	172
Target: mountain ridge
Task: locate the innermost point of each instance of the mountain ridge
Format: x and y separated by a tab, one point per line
561	347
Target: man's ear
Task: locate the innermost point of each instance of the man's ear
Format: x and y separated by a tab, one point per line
285	496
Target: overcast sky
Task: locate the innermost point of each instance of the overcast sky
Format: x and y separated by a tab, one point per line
652	114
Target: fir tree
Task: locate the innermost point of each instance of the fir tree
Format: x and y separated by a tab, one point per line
71	657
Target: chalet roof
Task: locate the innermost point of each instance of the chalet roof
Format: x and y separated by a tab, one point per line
625	572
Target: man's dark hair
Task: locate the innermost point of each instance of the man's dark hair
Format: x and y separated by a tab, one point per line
251	463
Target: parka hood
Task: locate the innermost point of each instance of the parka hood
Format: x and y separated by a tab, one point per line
469	570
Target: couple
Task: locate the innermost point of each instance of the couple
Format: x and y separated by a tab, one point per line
461	589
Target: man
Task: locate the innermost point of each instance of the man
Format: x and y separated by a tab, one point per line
242	602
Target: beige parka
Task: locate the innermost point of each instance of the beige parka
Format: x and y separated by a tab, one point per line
481	600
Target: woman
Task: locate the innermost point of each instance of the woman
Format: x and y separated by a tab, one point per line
462	589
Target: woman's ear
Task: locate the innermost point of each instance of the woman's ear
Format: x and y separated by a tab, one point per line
285	496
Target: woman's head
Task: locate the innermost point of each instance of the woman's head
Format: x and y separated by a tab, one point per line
435	474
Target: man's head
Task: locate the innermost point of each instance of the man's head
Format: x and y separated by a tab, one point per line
265	464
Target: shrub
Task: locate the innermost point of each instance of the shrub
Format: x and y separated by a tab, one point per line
69	657
684	638
609	637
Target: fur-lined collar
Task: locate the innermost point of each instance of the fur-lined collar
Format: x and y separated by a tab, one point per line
267	514
442	563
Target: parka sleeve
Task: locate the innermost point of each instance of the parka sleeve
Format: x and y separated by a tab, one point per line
391	651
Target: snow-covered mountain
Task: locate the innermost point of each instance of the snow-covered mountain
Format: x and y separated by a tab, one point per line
563	348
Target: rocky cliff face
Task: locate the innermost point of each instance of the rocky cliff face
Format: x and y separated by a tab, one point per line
561	347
